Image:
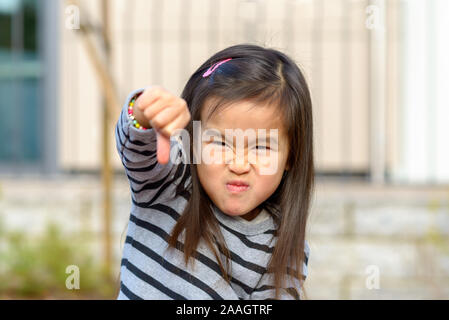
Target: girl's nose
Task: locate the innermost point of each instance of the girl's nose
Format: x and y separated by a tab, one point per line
239	164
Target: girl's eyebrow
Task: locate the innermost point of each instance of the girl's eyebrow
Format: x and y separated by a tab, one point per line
214	133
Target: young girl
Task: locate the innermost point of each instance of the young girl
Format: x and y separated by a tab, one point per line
219	230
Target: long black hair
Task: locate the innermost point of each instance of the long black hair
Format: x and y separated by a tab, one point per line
260	75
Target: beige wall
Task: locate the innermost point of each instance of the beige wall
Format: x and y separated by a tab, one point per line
163	42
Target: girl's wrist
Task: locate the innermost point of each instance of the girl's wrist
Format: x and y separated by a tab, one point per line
136	116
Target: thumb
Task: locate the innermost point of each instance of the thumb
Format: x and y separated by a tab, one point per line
163	148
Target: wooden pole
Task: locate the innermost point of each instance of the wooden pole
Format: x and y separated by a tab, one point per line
110	107
106	167
104	77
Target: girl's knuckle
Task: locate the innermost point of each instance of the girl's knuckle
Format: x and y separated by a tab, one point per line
186	120
156	122
166	131
147	113
157	92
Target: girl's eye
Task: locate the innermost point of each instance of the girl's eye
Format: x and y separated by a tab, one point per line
220	143
223	144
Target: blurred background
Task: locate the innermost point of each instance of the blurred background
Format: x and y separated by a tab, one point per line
379	225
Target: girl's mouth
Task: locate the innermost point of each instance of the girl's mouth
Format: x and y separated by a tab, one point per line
236	188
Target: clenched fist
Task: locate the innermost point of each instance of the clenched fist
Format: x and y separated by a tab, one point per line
164	112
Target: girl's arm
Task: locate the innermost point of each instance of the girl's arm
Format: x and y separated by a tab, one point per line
138	152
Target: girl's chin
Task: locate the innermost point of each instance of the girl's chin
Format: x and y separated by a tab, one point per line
233	211
235	208
235	214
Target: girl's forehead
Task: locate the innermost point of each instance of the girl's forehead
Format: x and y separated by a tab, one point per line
243	115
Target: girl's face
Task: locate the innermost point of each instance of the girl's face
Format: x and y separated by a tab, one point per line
248	162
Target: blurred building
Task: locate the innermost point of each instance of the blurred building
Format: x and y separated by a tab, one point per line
375	69
377	72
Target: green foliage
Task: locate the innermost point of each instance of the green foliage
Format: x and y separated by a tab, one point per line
434	235
36	268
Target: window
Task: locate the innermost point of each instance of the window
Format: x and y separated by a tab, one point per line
21	91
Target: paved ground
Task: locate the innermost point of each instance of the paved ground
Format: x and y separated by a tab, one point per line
367	242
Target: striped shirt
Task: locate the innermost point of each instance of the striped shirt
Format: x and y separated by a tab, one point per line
150	271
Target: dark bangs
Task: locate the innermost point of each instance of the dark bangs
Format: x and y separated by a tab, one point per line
240	79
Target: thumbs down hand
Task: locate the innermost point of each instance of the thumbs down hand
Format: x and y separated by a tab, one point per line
165	113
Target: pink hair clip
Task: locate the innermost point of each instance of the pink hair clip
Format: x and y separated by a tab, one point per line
214	67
